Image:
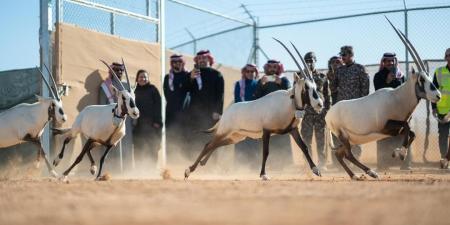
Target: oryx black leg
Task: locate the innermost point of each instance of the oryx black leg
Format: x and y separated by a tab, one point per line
411	136
342	152
61	153
102	160
357	163
298	139
213	149
86	148
210	146
266	140
47	163
93	168
40	152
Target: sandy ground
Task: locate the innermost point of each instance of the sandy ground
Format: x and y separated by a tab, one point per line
403	198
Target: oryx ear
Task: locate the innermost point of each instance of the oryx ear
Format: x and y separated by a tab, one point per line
115	90
296	77
39	98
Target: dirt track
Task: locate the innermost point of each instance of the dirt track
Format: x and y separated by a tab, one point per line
395	199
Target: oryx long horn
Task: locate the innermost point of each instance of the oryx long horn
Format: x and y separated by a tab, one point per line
126	74
303	61
408	45
54	83
46	83
114	75
296	62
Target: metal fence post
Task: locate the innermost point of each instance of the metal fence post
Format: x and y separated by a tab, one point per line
406	34
162	44
111	23
194	41
45	58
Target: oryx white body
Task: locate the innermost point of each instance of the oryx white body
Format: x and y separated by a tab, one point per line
248	119
362	120
271	114
22	120
101	124
96	122
381	114
25	122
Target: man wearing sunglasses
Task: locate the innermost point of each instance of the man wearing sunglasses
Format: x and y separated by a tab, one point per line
314	122
116	164
442	81
352	81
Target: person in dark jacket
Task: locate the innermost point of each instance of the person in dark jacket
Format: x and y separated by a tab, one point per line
175	90
206	88
270	82
272	79
247	151
351	81
389	76
147	131
333	64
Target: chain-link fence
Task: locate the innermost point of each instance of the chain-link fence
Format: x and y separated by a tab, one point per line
128	19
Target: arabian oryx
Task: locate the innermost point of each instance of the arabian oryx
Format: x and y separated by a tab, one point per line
381	114
101	125
275	114
25	122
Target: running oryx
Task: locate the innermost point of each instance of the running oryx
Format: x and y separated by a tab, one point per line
25	122
274	113
381	114
101	125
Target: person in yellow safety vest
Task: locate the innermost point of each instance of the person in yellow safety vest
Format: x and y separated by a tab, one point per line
440	109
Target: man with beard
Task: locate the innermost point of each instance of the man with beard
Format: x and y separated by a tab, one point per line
270	82
121	156
206	88
352	81
389	76
175	90
314	122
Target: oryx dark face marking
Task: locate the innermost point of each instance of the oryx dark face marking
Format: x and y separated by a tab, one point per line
315	95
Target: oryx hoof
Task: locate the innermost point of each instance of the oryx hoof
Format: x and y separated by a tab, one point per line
53	173
372	174
360	178
56	161
264	177
400	152
444	164
187	172
93	169
203	162
37	164
64	179
316	171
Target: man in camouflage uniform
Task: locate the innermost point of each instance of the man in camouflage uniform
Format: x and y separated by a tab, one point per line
313	121
352	81
333	64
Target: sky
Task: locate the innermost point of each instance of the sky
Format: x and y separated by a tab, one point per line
370	36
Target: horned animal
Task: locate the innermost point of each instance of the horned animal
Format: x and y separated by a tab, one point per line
25	122
381	114
101	125
275	114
